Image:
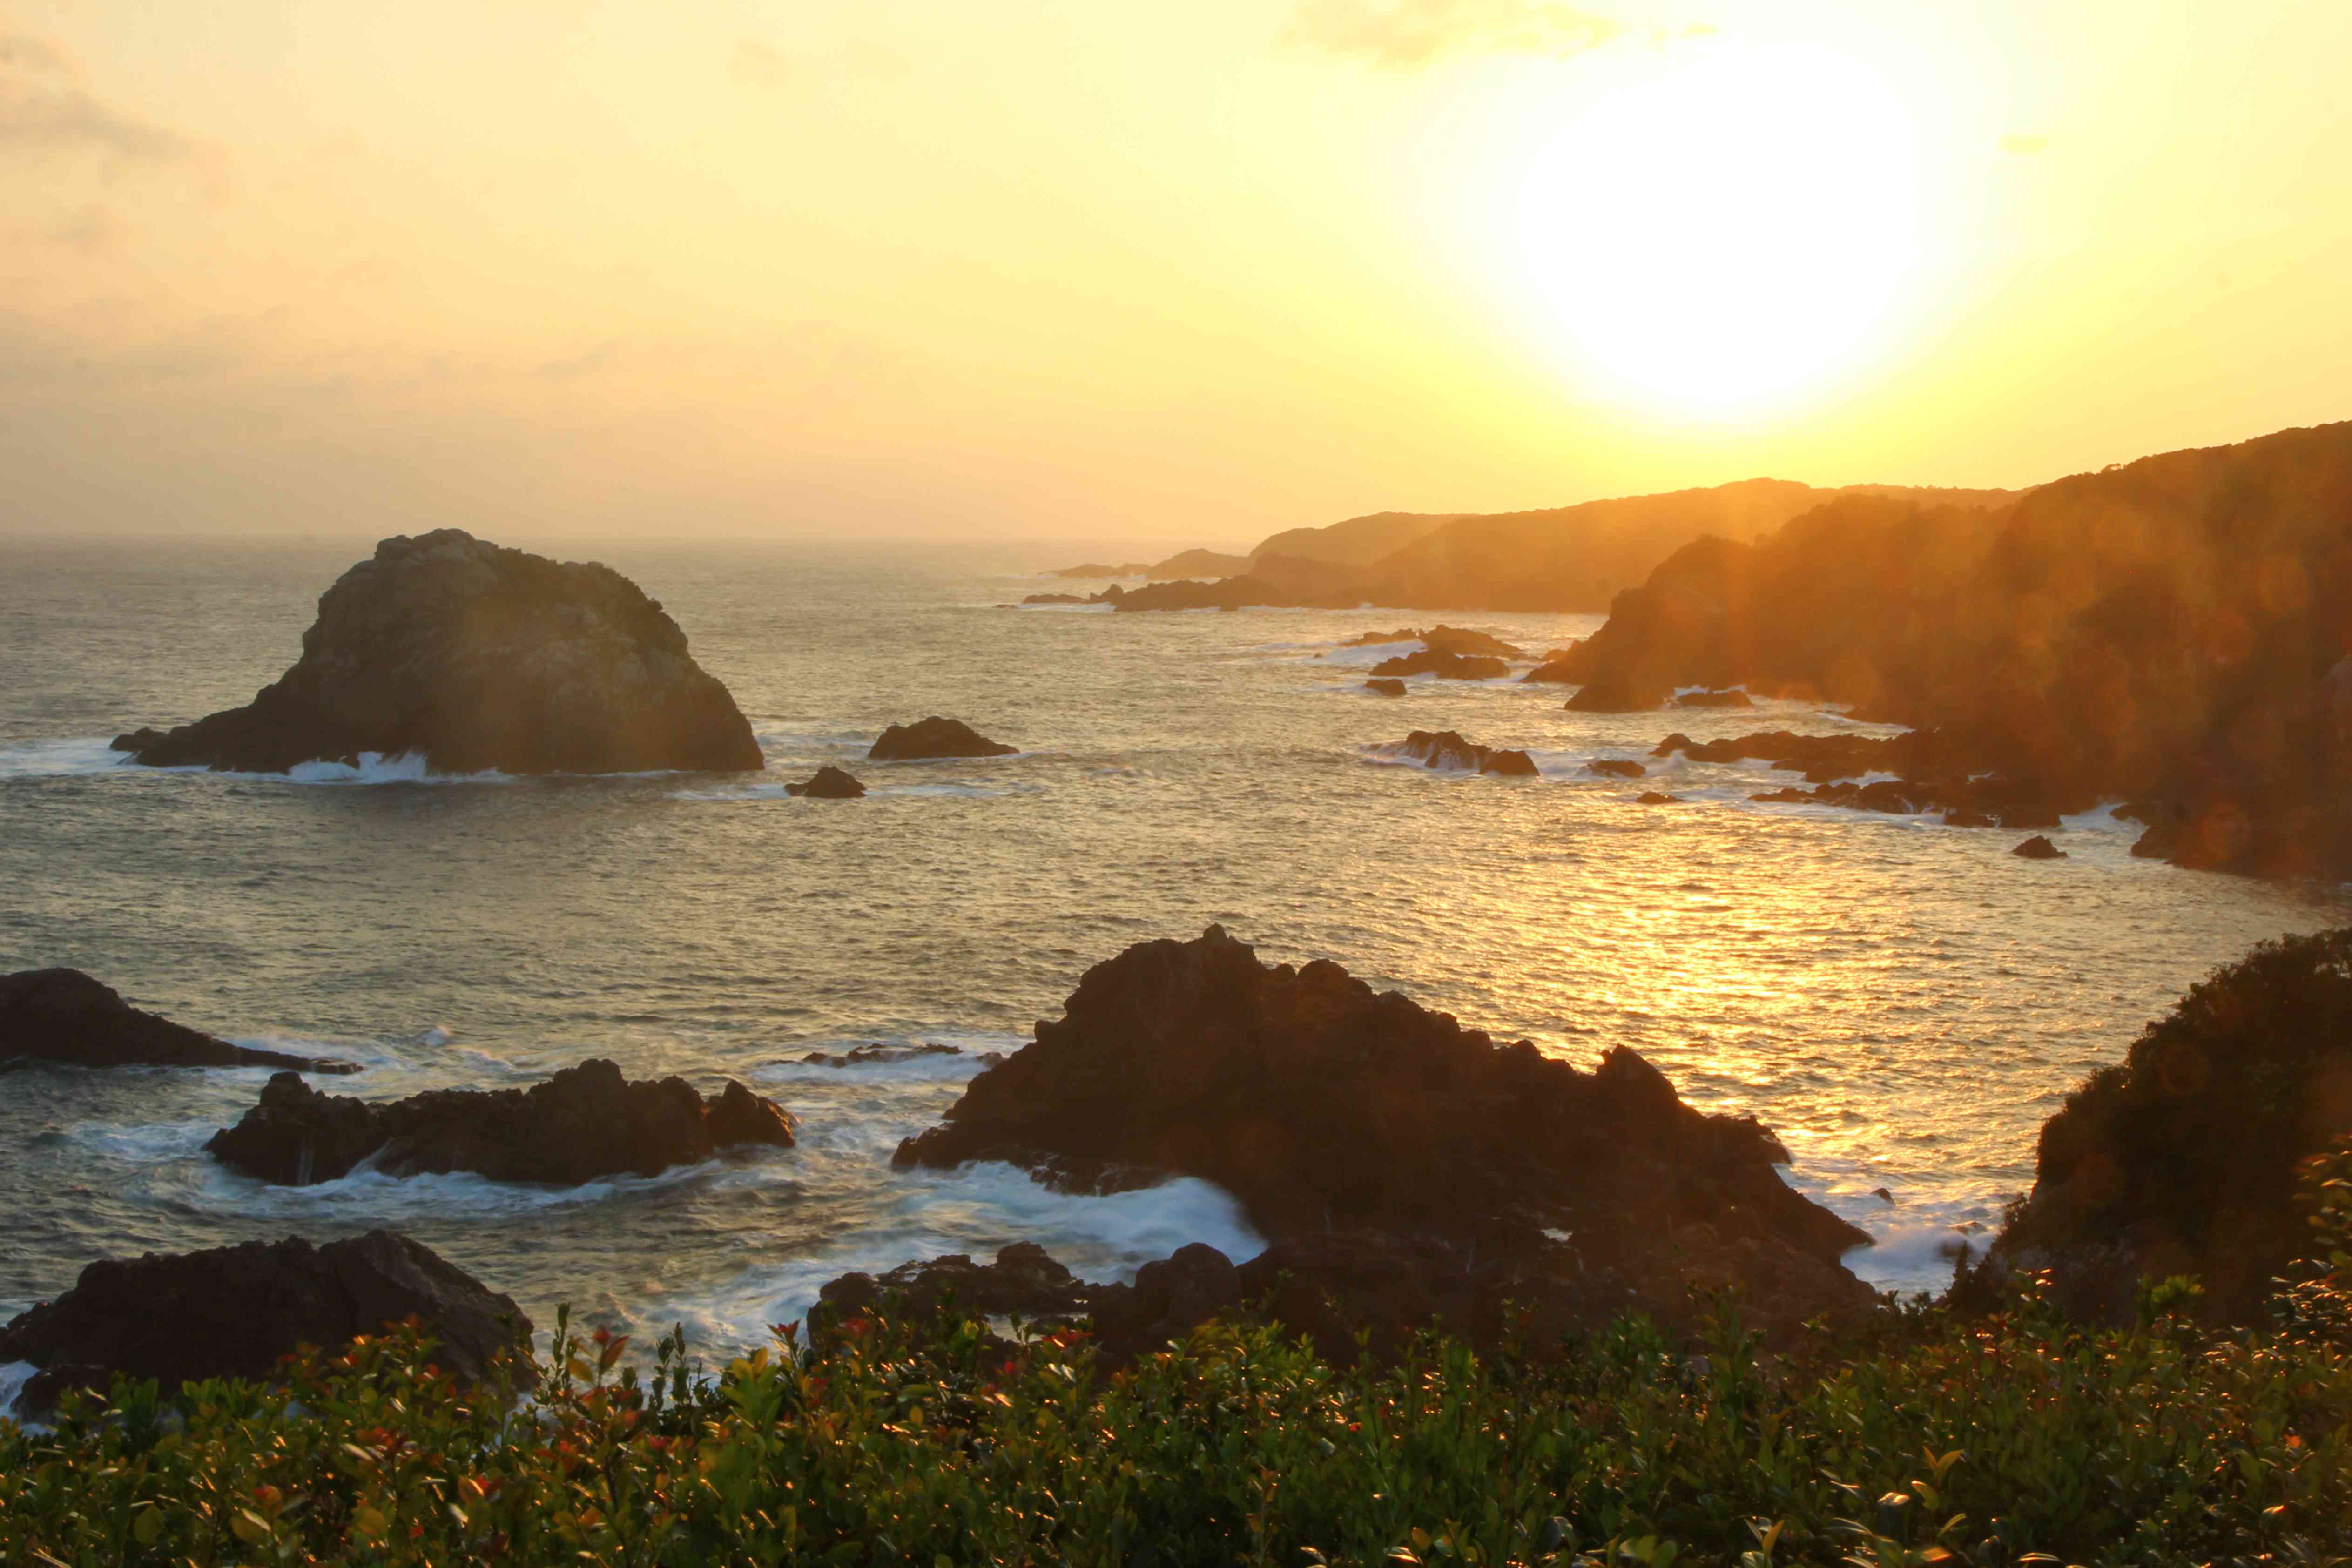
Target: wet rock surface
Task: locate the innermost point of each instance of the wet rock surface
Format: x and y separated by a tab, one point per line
934	737
1445	666
235	1312
828	783
1385	685
66	1016
1327	1108
479	658
1446	749
584	1122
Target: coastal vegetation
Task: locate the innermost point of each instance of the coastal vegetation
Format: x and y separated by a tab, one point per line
2014	1436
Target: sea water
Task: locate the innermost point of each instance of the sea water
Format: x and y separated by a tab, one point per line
1903	1002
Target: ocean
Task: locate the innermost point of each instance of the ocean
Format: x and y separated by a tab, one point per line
1904	1003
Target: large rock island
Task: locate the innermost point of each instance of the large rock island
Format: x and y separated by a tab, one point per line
1394	1156
476	658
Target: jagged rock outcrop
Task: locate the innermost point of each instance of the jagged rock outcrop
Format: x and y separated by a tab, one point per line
1459	640
64	1015
1445	748
878	1054
2168	631
828	783
1323	1106
2182	1157
1937	777
1729	697
479	658
1445	666
235	1312
2039	848
934	737
584	1122
1615	768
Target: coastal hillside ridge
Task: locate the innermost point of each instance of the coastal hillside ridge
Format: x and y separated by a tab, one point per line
478	658
2174	633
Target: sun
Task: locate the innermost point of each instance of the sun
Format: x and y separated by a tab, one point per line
1729	231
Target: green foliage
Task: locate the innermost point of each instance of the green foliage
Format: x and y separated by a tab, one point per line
1933	1440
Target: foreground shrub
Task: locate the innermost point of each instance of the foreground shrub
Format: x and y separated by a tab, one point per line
1980	1443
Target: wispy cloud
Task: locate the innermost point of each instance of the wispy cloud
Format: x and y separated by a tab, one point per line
44	106
1407	35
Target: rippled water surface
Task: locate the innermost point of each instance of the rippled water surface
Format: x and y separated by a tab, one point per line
1904	1002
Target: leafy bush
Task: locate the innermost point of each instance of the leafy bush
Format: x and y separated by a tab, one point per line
1935	1439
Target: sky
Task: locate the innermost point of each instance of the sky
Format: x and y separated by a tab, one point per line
1044	269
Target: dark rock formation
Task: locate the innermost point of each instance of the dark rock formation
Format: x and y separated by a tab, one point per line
139	740
1321	1105
1056	599
934	736
1653	797
63	1015
1608	693
1730	698
2038	848
828	783
1445	748
1445	666
2168	631
1455	640
235	1312
1229	593
478	657
1556	669
1098	568
1386	686
586	1121
1615	768
1937	778
876	1054
2182	1157
1378	639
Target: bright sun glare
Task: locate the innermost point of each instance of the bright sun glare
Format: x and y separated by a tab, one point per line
1730	232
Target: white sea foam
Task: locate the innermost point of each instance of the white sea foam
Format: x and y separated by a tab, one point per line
974	1209
13	1375
59	758
147	1143
366	1195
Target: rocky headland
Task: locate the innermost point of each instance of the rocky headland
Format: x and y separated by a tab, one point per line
2171	632
2183	1158
1391	1156
479	658
584	1122
65	1016
236	1312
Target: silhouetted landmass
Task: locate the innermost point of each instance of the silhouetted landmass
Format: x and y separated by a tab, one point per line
235	1311
476	658
2171	632
584	1122
2181	1159
1362	1129
1199	563
1357	541
65	1016
1100	568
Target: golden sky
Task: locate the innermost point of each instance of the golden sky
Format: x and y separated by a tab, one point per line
1085	269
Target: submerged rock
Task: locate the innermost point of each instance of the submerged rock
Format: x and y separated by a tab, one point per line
64	1015
828	783
1445	748
1321	1105
477	657
1615	768
878	1054
1386	686
584	1122
235	1312
1445	666
1654	798
2039	848
933	738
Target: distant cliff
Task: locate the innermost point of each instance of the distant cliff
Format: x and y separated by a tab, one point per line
2172	631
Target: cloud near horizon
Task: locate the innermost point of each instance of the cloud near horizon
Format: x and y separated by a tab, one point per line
1408	34
43	108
